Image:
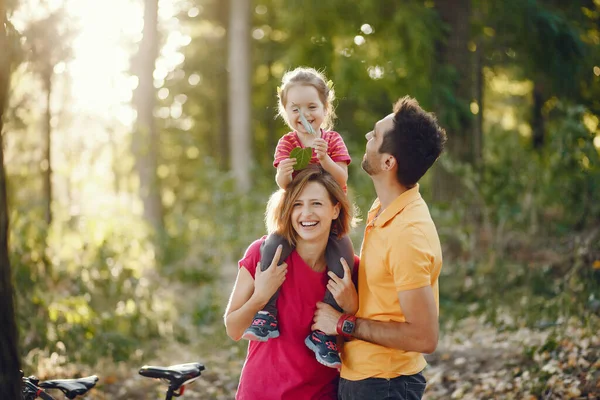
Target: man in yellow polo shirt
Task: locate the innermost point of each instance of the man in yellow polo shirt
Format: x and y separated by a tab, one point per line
401	259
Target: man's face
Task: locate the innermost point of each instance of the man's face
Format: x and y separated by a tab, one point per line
373	159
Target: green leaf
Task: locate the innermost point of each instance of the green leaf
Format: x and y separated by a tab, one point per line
302	157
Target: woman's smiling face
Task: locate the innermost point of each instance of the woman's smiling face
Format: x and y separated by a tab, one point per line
313	213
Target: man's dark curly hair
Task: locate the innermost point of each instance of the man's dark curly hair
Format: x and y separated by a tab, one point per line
415	141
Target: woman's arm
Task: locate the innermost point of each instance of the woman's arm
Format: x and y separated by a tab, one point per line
243	305
249	295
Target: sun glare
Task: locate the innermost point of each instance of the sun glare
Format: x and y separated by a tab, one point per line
95	85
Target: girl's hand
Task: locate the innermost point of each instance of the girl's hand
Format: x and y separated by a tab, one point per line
286	167
320	146
267	282
343	290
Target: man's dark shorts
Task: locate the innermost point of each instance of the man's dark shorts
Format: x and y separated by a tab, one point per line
409	387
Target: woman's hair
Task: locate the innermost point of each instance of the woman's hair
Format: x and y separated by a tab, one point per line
304	76
280	205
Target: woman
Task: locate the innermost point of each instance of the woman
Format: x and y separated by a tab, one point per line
306	213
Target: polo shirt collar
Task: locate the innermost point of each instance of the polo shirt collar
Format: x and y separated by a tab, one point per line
395	208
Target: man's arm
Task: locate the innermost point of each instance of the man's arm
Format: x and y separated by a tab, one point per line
419	333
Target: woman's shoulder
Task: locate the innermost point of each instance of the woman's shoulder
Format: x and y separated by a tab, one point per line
255	246
252	255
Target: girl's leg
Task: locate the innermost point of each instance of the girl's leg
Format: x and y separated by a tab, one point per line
336	249
264	325
325	346
267	253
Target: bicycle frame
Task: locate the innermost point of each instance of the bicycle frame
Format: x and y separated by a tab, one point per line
31	391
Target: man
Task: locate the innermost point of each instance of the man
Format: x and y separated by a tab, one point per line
401	259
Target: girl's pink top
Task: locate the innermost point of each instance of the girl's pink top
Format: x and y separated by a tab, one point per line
336	148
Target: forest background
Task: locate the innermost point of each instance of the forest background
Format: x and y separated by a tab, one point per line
137	147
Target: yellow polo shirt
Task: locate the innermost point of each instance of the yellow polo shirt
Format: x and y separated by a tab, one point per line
400	251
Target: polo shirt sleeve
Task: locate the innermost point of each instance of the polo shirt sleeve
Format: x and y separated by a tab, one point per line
410	260
336	148
283	150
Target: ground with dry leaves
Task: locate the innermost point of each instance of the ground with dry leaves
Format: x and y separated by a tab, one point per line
473	361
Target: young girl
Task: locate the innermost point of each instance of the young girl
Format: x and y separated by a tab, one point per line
305	103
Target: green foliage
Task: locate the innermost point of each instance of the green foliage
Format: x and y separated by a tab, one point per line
571	166
92	288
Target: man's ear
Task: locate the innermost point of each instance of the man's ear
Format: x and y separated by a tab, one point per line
389	162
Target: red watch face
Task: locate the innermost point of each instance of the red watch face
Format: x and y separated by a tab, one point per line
348	327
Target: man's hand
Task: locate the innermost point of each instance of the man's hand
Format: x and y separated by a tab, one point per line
326	319
320	146
343	290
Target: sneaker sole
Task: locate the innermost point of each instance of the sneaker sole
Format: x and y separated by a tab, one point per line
252	336
314	349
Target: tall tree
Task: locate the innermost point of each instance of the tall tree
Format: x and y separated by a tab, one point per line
240	132
10	380
145	137
453	106
48	44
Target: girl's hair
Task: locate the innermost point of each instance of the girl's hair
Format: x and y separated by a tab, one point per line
279	208
308	77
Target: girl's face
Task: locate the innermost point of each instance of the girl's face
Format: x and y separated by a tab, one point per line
304	99
313	213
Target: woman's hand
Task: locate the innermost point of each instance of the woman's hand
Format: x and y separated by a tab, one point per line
320	146
267	282
343	290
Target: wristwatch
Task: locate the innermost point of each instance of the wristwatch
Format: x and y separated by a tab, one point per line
346	324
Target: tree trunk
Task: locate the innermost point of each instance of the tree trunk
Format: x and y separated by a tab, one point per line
271	111
240	129
145	138
222	141
10	364
270	117
47	143
537	122
478	96
454	52
224	128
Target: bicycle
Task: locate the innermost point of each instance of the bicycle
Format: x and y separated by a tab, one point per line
33	388
178	376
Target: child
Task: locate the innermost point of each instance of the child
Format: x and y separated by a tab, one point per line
305	103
